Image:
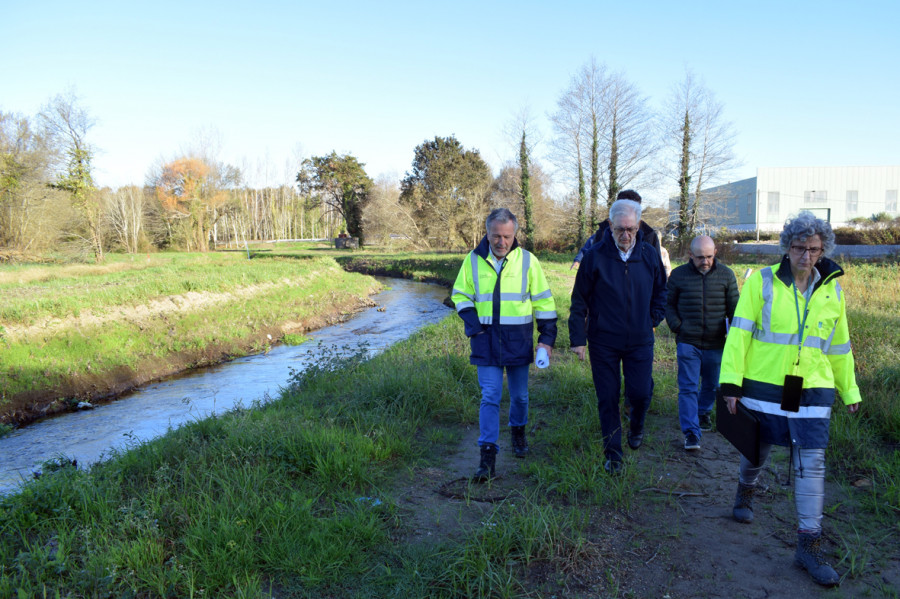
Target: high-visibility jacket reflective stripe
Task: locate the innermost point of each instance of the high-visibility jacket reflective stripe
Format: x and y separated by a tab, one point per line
520	300
769	330
762	347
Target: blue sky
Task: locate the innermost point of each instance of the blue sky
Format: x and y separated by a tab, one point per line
804	83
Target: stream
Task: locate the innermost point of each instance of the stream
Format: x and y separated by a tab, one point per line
150	411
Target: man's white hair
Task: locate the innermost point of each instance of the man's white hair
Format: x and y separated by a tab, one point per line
620	207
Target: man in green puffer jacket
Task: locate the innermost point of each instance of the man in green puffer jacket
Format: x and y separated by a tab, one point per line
702	294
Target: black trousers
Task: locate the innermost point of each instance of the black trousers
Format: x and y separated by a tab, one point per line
608	365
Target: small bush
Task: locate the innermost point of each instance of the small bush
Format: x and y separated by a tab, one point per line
871	233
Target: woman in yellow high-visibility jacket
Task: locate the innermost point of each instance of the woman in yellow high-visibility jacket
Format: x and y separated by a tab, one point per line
789	340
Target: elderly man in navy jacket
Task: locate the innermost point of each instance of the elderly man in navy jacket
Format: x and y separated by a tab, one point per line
618	298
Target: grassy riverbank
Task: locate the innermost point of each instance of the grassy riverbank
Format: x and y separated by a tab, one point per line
329	491
82	332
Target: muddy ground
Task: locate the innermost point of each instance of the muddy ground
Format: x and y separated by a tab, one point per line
678	539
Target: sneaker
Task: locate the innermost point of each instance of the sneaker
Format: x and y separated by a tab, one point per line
691	442
705	423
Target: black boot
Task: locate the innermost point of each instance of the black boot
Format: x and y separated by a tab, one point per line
486	465
519	443
743	503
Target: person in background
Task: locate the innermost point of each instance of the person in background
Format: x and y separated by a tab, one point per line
618	298
701	297
648	232
790	322
499	291
664	255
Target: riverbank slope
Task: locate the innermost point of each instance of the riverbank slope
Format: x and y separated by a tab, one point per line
73	333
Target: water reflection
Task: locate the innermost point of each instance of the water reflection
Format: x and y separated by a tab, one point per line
150	411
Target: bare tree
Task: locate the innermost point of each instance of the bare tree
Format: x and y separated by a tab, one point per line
31	211
591	85
629	137
124	210
699	149
67	124
385	218
567	149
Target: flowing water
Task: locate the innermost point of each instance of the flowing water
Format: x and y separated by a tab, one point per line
150	411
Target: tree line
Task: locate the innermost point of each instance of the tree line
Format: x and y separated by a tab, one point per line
605	137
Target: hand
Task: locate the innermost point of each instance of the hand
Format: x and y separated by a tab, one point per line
854	407
731	403
579	351
574	265
548	348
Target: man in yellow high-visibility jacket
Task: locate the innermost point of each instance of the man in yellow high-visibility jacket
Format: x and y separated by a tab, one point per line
499	292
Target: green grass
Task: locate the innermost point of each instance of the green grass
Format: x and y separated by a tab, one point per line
255	295
270	499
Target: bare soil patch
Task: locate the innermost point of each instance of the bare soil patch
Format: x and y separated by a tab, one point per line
678	539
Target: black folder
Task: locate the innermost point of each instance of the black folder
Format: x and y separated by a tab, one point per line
741	429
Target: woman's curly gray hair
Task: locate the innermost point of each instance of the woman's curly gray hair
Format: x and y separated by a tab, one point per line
804	226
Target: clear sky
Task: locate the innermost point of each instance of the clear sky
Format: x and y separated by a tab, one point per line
805	83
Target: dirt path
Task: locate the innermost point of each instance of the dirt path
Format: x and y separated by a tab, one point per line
678	540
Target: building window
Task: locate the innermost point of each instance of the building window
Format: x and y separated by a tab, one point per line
815	197
774	197
852	203
749	205
890	200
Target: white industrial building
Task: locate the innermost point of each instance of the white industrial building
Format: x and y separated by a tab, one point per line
835	193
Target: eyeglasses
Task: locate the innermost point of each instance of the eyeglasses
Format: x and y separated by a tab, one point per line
799	250
620	230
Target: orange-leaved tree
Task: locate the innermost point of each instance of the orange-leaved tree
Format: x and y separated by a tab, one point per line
190	193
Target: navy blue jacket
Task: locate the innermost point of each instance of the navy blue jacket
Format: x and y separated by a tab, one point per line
621	302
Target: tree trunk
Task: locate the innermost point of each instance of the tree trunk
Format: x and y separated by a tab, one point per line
685	229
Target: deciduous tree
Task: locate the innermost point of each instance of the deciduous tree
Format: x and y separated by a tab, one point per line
567	145
385	218
629	140
191	192
32	212
699	146
552	222
125	209
67	124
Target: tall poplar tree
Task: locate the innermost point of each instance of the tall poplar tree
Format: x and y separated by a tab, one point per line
526	195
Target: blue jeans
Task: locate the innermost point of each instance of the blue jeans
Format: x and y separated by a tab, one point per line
490	378
698	378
